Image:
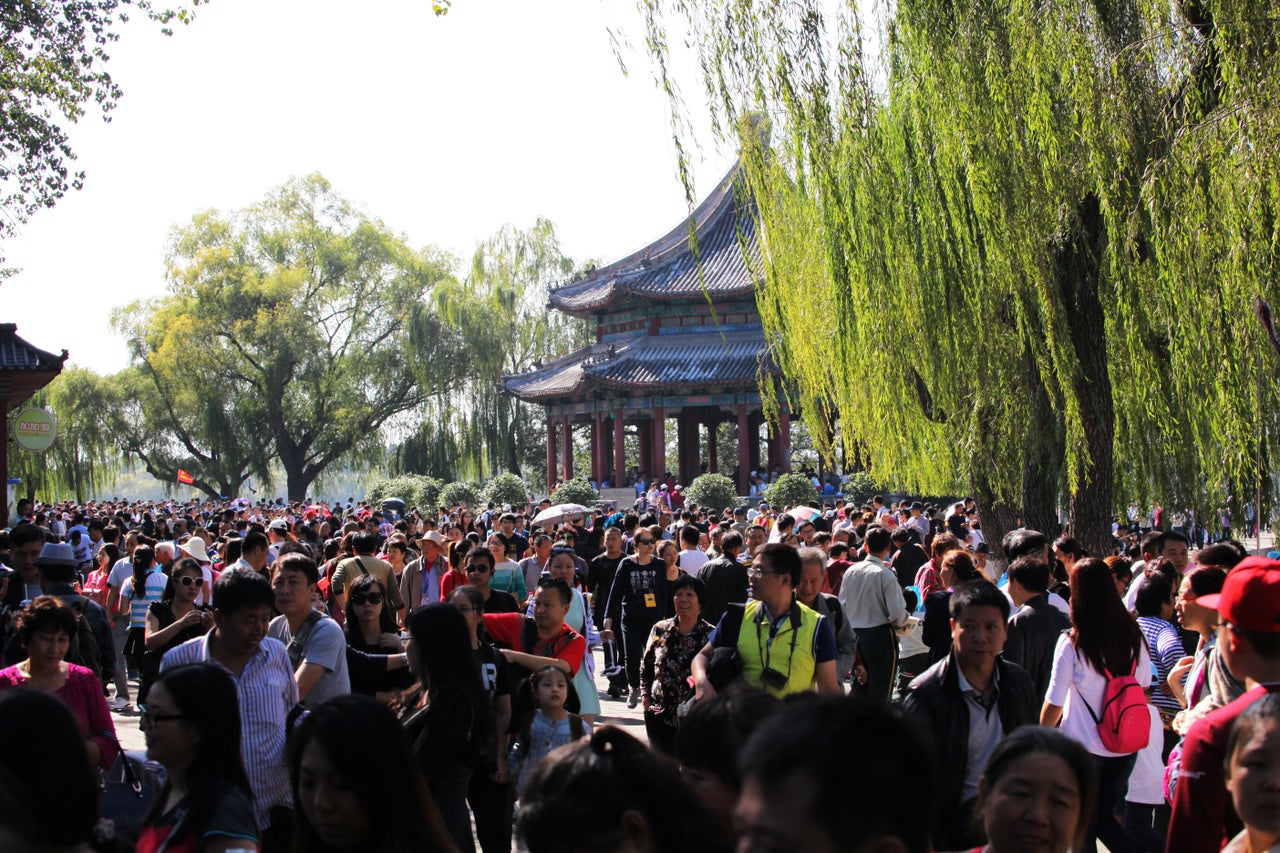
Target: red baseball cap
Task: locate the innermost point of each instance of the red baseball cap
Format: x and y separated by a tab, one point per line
1250	597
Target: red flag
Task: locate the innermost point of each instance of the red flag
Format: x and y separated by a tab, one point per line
184	477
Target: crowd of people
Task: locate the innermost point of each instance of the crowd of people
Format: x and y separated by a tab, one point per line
314	677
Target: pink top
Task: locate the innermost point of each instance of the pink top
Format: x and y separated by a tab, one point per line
83	694
95	587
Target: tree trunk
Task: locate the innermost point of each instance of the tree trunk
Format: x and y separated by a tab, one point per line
1080	272
1046	450
297	481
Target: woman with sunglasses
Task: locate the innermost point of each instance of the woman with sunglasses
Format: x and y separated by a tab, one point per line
371	629
173	620
638	599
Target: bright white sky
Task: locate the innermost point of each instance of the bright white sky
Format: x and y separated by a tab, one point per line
445	128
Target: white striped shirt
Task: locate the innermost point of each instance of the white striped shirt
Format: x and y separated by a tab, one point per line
267	693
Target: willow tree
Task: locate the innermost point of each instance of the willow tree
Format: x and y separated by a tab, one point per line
85	457
499	312
992	216
308	322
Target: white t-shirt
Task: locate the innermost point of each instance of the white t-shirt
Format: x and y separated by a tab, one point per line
1073	677
1146	782
691	561
1052	597
120	572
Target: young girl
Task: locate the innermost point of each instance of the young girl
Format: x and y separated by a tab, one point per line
1253	776
551	725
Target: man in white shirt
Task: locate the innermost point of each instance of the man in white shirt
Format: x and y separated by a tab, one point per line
873	604
690	559
266	688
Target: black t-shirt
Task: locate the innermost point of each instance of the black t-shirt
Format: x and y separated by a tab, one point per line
501	602
599	579
493	669
516	545
907	562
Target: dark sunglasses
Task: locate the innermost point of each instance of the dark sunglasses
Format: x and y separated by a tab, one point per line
187	580
370	598
644	541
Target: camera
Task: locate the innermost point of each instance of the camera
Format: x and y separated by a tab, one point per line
771	678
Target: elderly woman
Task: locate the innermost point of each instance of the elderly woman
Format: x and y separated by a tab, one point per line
664	672
46	627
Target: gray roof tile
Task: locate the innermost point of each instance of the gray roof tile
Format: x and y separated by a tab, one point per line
668	267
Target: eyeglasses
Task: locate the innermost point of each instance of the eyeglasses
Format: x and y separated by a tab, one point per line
644	541
369	598
758	573
147	719
187	580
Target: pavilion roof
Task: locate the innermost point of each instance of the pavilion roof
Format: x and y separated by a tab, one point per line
651	362
24	369
17	354
669	269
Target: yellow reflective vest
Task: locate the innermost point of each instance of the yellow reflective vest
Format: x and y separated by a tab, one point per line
787	649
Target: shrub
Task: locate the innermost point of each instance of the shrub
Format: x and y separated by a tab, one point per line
426	495
505	489
712	491
378	490
457	493
790	490
414	489
859	488
575	491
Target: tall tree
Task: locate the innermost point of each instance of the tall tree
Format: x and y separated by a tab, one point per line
84	458
195	422
998	212
499	311
308	320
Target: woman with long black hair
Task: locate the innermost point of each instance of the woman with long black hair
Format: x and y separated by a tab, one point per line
356	785
1104	644
453	729
192	724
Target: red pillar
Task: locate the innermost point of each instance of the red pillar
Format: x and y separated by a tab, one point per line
659	442
644	430
566	446
784	441
744	450
687	442
619	451
753	445
551	452
4	461
597	448
712	450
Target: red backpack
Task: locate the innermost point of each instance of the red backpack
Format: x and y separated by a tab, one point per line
1125	723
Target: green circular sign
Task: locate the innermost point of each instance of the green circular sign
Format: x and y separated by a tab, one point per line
34	430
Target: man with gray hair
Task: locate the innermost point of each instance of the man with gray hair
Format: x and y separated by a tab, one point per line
813	571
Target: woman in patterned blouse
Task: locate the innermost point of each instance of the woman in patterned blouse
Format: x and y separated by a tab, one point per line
664	674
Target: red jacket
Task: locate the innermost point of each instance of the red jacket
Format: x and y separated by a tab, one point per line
1203	818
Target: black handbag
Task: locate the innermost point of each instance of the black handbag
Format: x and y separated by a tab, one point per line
128	790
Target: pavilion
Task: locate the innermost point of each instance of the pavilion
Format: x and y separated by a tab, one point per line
678	336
